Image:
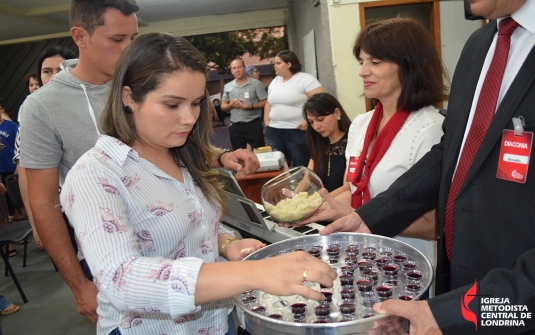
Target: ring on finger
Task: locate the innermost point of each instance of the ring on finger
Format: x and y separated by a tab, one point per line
305	275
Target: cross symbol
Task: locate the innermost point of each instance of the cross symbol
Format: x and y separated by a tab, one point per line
478	296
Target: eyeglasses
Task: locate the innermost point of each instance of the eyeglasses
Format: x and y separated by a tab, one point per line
255	70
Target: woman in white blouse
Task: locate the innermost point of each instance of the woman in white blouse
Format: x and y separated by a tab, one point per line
402	71
146	206
283	114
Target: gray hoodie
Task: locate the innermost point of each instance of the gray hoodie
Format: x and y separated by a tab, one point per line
56	124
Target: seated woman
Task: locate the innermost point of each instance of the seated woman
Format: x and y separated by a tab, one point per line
146	206
327	138
403	72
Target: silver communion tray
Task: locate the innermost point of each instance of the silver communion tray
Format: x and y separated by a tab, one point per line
264	314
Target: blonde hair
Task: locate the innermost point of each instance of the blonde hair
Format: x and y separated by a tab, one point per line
144	64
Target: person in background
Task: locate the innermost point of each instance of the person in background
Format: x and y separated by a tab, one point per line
5	115
485	249
146	205
32	82
327	138
244	99
403	72
252	72
49	62
59	124
48	65
8	132
283	113
7	308
4	215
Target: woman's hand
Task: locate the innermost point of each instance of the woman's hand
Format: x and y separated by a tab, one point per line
239	249
284	275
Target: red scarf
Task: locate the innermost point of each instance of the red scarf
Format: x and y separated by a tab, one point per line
378	150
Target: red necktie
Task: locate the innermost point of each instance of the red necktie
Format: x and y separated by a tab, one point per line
485	110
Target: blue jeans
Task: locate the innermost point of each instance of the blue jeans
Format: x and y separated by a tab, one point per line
291	142
3	303
231	327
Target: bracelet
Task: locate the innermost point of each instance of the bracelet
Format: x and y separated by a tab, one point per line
221	154
225	245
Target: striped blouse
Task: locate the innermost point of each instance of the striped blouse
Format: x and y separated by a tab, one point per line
145	236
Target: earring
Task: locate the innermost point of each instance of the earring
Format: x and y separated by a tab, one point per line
127	109
339	118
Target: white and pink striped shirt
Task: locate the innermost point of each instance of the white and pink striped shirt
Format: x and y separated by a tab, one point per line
145	236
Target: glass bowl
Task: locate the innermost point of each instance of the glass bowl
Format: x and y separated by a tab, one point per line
292	196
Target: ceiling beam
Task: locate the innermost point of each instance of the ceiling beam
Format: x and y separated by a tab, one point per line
39	11
35	38
23	14
141	22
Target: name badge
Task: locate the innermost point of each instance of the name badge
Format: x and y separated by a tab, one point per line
246	95
515	152
352	169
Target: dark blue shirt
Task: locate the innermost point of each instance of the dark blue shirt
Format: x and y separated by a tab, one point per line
8	133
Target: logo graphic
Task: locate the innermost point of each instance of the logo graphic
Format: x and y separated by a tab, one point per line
517	175
468	315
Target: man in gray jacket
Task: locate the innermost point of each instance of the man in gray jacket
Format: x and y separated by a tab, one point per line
60	122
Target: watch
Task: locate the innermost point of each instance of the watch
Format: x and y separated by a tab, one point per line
221	154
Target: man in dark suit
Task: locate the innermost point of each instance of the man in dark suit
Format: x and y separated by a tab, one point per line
492	240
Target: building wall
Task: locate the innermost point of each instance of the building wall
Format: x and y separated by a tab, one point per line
344	26
304	16
454	32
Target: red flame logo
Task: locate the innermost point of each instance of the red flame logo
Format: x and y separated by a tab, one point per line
468	315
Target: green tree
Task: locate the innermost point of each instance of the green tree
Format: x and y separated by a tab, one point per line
266	42
222	48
